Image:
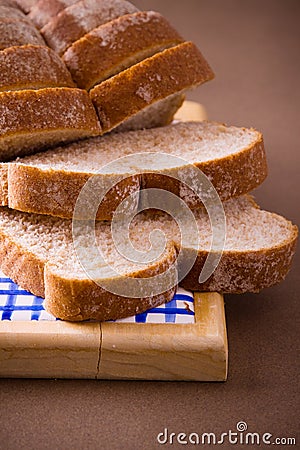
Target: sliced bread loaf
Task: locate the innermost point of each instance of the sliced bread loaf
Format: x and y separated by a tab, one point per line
32	67
49	183
44	10
169	72
75	21
35	119
38	253
117	45
15	32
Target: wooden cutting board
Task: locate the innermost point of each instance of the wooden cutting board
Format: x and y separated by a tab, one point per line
117	350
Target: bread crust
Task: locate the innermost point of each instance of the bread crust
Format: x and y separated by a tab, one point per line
44	10
166	73
117	45
75	21
32	67
25	5
54	192
75	299
15	32
240	272
53	115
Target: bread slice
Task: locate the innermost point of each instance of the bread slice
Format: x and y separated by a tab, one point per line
37	252
44	10
25	5
49	183
32	67
158	114
11	12
117	45
32	120
8	3
15	32
75	21
169	72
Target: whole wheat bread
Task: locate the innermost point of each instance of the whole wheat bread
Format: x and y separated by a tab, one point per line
117	45
49	183
37	252
148	82
32	67
75	21
32	120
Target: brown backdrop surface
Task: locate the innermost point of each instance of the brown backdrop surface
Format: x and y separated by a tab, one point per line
253	46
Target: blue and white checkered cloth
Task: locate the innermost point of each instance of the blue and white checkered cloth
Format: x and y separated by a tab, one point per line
19	305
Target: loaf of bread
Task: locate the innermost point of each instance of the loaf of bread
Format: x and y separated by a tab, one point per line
32	67
52	116
49	183
117	45
38	253
169	72
75	21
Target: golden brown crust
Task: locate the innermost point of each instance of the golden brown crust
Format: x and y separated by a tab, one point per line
232	176
117	45
14	32
249	271
54	192
53	115
32	67
23	267
75	21
173	70
77	300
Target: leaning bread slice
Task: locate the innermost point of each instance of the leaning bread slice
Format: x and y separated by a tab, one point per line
117	45
15	32
32	120
156	78
32	67
38	253
233	159
75	21
44	10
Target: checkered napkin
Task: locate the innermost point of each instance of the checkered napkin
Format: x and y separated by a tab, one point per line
17	304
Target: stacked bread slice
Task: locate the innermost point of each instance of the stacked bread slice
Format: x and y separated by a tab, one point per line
40	106
146	63
135	68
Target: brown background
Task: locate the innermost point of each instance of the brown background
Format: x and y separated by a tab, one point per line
253	46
